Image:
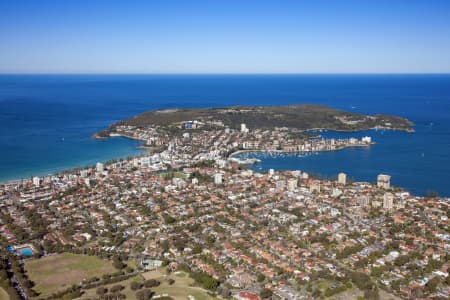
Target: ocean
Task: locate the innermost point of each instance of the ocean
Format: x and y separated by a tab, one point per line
47	121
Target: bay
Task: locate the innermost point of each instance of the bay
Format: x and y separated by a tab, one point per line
47	121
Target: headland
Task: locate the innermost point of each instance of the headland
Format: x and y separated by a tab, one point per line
301	117
250	128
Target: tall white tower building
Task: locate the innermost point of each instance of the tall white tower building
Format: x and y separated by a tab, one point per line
36	181
217	178
292	184
388	201
244	128
342	178
99	167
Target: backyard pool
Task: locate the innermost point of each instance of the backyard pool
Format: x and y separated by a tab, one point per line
26	252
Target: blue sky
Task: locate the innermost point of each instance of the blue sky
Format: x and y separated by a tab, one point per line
225	36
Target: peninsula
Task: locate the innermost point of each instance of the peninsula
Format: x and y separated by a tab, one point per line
301	117
224	132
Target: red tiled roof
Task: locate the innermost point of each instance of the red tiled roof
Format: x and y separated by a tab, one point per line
249	296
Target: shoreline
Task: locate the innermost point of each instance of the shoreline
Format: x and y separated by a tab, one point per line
148	149
408	130
289	152
54	171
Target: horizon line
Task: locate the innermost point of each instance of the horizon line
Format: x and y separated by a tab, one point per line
223	73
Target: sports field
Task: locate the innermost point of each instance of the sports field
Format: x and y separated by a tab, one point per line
57	272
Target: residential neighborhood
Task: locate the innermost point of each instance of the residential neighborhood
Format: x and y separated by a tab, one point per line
194	206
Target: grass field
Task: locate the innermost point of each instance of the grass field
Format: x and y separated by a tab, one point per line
3	294
57	272
183	286
180	290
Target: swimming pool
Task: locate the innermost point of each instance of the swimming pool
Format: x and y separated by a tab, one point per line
26	252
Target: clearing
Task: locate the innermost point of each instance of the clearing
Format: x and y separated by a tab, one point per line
60	271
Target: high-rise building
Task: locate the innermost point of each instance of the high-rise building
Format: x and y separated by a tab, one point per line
384	181
388	201
36	181
292	184
218	178
244	128
366	139
342	178
99	167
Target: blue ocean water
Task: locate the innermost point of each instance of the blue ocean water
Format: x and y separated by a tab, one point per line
46	121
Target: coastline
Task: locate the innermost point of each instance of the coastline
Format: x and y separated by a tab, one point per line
284	151
130	149
150	149
408	130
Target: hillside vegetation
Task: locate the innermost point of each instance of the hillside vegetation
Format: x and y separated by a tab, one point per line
299	116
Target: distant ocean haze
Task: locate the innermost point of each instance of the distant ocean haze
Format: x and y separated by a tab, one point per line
47	121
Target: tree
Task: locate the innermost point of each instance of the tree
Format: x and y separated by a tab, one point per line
211	239
116	288
204	279
197	249
118	264
376	272
146	294
401	260
396	285
168	219
433	264
151	283
165	245
361	280
101	291
265	293
317	293
432	284
135	285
